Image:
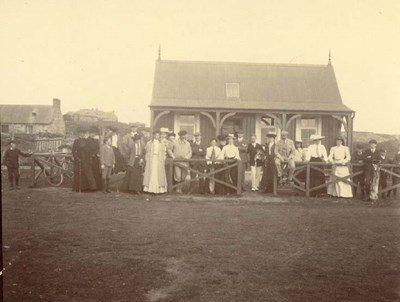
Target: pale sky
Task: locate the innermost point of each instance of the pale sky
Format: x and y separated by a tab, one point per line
101	54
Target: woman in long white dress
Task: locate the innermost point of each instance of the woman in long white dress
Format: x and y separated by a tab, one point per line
155	179
339	156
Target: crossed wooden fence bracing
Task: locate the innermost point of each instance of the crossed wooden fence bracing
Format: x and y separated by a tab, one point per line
57	166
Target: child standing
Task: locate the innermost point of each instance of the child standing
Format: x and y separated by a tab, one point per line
11	161
107	161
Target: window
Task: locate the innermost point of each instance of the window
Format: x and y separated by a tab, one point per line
267	125
29	129
5	128
188	122
232	90
305	128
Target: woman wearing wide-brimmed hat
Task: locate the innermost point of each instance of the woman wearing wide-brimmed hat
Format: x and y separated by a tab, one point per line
339	156
269	167
316	153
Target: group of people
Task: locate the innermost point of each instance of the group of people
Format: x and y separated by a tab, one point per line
143	159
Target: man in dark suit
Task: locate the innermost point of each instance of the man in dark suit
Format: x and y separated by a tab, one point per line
253	148
199	152
357	158
370	157
395	179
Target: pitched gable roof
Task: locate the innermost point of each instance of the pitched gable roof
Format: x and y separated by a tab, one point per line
26	114
262	86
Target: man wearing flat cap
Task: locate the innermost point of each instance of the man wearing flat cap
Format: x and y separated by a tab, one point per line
370	157
199	152
286	151
181	149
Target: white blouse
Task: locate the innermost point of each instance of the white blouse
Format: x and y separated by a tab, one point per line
230	151
317	151
339	155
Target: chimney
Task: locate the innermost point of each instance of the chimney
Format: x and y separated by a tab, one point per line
57	103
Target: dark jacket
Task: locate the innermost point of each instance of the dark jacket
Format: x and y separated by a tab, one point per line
252	151
370	158
242	146
357	159
11	157
396	161
198	151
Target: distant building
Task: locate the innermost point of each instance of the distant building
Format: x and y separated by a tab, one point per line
91	115
32	119
219	97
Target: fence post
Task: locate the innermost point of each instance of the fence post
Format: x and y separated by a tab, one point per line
33	171
308	180
239	178
275	183
170	174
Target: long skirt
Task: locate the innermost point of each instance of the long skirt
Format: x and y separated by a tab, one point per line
340	188
83	177
154	185
95	164
119	161
133	179
221	189
317	178
267	180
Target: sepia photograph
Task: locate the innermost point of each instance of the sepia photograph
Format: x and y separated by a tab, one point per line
190	151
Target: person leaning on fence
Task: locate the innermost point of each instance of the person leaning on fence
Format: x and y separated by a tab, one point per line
339	156
155	180
242	145
383	177
285	148
221	189
212	153
316	153
370	157
181	150
230	151
199	152
396	179
299	157
133	180
253	149
11	161
357	158
269	163
107	162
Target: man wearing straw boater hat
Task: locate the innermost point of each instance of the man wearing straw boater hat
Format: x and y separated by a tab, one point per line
316	153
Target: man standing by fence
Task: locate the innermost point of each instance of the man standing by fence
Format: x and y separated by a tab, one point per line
181	150
241	144
370	157
286	150
199	152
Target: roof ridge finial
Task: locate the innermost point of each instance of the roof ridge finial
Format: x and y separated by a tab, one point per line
159	52
329	59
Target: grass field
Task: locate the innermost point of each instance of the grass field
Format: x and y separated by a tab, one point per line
65	246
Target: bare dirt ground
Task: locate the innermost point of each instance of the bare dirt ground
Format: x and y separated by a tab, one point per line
65	246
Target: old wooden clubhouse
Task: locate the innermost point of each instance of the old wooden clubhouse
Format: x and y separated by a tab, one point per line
219	97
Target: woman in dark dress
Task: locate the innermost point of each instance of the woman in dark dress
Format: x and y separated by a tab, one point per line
133	180
83	176
94	150
269	167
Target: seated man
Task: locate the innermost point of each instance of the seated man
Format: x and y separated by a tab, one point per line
286	151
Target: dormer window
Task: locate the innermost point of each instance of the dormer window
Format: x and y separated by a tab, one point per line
232	90
34	113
